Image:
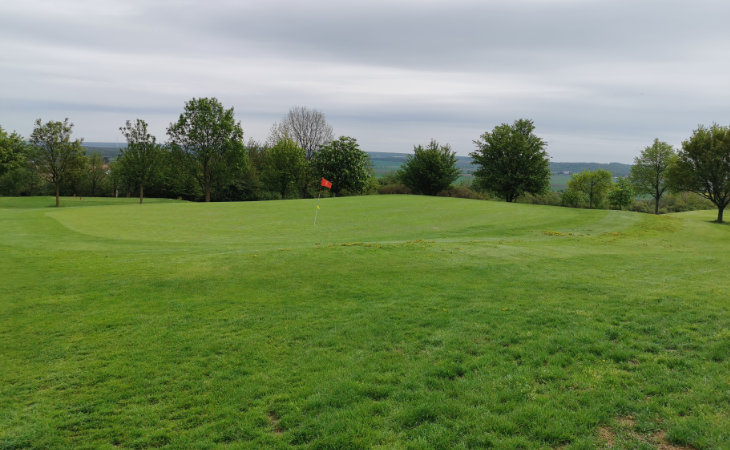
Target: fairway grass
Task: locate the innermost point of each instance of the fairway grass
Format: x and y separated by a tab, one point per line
395	322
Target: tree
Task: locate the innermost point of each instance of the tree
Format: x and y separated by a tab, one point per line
12	151
512	161
429	170
141	158
285	168
573	199
208	137
703	166
594	184
96	171
54	153
306	127
649	172
621	195
344	164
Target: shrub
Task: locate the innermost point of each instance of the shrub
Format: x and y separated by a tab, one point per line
462	192
574	199
394	188
675	202
549	198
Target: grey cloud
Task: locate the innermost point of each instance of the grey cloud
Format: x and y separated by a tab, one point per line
598	76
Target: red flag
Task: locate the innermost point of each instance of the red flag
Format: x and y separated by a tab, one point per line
327	184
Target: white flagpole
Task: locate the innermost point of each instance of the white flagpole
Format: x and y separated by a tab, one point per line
316	210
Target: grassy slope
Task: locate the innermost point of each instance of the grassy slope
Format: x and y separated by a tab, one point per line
397	322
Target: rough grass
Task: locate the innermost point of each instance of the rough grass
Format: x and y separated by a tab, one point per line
398	322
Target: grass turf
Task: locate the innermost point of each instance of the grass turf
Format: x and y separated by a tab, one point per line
399	321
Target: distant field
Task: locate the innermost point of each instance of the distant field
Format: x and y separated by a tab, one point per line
398	322
559	182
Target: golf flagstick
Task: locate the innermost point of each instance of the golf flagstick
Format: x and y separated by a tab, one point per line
316	210
323	183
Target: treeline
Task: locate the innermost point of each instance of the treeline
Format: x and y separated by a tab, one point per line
205	158
512	164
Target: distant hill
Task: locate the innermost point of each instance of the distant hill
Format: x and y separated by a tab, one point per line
109	150
567	168
384	162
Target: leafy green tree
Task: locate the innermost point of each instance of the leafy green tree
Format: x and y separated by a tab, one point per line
54	153
344	164
210	140
429	170
285	168
573	198
12	151
649	172
512	161
703	166
594	184
142	157
622	194
96	172
74	182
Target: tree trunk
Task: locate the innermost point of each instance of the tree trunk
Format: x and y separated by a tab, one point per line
141	193
207	193
719	214
58	194
656	205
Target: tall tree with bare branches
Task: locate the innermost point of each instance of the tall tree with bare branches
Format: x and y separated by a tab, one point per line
307	127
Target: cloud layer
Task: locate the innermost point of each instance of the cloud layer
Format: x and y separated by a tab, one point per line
601	79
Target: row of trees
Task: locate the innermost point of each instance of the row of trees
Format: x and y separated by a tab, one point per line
205	158
512	162
702	166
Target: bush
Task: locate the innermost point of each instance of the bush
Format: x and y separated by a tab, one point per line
389	178
574	199
394	188
677	202
549	198
430	169
462	192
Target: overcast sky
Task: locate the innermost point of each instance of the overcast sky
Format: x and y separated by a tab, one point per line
600	79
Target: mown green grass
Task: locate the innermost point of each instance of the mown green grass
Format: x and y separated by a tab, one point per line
398	322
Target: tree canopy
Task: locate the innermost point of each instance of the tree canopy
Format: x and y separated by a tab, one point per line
54	153
344	164
512	161
621	194
307	127
208	135
284	168
429	170
141	158
649	172
703	166
12	151
594	184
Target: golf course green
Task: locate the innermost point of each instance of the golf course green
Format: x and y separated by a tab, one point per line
395	322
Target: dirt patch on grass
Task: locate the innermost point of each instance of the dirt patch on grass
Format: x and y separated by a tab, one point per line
276	428
663	444
608	435
625	430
